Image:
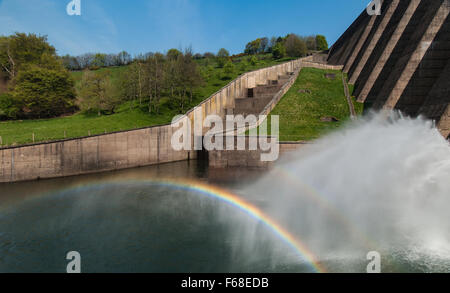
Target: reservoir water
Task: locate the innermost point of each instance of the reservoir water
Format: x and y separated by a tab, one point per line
372	187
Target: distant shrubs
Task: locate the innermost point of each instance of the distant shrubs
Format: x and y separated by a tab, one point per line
291	45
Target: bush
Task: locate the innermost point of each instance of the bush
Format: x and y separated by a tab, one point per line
8	108
253	61
243	65
43	93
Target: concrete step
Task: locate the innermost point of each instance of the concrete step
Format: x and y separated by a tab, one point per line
268	89
249	106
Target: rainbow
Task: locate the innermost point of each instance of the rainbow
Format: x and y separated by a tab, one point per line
232	200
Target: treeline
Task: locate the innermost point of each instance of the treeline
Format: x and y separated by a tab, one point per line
38	85
291	45
151	81
96	61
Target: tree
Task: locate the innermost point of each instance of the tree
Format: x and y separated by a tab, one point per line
188	78
295	47
39	85
96	93
311	43
264	45
321	42
21	49
85	60
273	42
255	47
173	54
70	63
251	47
222	57
198	56
137	74
156	68
209	55
99	60
279	51
43	93
124	58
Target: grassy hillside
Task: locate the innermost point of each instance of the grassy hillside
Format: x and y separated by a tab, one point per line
129	116
311	98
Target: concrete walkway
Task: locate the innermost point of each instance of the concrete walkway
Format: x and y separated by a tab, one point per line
349	99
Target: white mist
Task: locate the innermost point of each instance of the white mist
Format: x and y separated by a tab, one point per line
380	184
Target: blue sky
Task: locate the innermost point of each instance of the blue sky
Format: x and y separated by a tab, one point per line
140	26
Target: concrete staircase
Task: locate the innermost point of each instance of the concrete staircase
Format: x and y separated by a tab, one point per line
256	99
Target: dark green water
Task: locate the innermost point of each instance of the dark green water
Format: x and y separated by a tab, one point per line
118	225
121	222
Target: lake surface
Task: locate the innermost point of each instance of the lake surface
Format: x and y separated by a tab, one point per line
145	220
128	221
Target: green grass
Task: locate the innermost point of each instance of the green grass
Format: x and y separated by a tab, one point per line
300	113
126	118
114	72
78	125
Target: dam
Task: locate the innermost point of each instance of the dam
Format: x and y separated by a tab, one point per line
400	59
127	202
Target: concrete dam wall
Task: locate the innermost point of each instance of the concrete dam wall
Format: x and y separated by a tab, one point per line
133	148
401	58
